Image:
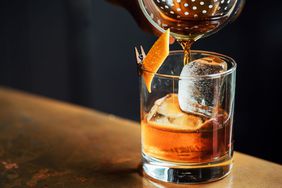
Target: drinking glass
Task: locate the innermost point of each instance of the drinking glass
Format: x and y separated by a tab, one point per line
187	146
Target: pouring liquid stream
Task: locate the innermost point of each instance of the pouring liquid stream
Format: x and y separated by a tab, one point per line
186	45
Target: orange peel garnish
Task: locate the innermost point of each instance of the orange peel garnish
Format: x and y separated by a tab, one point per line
155	58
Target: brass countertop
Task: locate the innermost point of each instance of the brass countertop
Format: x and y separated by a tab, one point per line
47	143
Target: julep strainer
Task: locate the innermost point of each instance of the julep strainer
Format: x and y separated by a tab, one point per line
190	19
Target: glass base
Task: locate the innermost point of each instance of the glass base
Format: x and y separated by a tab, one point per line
186	173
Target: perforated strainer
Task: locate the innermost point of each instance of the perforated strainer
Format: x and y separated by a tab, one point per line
189	18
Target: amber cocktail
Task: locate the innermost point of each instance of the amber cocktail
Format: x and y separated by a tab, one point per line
186	119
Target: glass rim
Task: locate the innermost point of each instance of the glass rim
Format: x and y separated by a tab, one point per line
209	76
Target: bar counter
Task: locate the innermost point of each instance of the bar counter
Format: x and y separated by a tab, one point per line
47	143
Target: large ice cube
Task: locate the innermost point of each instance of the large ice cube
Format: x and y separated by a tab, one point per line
167	114
198	94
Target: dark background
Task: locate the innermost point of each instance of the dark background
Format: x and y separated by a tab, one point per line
82	52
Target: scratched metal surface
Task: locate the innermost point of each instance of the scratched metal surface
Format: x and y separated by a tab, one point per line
49	144
45	143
